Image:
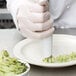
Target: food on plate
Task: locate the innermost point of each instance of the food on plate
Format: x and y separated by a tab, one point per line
60	58
10	66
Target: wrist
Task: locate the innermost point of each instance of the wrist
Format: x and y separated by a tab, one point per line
13	9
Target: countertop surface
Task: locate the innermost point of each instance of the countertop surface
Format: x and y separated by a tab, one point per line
10	37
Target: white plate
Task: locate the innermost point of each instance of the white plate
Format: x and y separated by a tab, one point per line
63	44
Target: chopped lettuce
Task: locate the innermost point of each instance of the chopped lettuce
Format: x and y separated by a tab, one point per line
60	58
10	66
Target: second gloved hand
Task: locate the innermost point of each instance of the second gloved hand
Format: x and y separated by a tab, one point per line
34	19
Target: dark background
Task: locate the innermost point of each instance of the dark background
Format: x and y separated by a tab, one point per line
2	3
5	21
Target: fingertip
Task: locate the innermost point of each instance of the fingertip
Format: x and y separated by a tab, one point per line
53	29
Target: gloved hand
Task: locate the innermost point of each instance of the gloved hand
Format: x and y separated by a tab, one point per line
34	20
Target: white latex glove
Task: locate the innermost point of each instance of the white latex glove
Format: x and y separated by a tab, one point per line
34	19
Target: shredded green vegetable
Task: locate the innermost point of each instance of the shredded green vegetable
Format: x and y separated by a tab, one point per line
10	66
60	58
